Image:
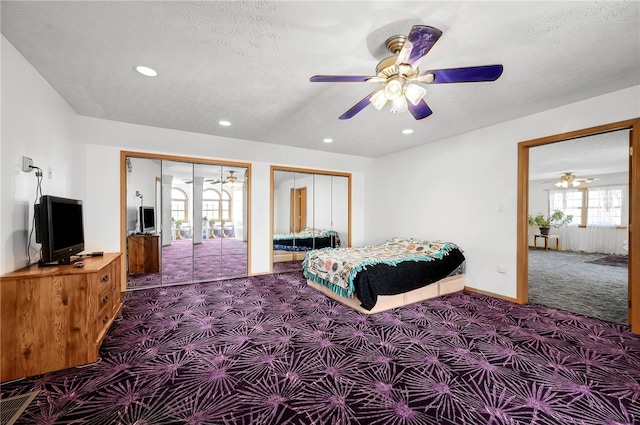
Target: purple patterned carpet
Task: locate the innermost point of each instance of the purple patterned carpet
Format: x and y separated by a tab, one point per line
270	350
182	261
287	266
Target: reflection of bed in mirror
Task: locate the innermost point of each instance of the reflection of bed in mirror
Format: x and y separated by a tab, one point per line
292	246
376	278
310	209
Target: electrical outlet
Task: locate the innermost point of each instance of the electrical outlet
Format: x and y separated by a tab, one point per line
27	164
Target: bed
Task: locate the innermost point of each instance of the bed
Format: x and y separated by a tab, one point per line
376	278
293	246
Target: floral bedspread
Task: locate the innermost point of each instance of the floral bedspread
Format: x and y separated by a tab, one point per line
336	268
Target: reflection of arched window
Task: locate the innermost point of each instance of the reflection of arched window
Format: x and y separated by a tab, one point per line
179	205
216	206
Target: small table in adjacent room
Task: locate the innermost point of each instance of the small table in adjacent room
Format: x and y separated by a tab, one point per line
546	240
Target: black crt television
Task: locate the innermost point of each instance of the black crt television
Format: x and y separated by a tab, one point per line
147	220
59	228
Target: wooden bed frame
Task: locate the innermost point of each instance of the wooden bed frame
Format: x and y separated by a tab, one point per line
444	286
280	256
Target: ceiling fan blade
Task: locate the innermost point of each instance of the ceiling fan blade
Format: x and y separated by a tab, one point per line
419	111
356	108
342	79
463	75
420	40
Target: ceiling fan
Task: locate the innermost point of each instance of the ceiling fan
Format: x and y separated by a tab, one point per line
569	180
399	75
231	179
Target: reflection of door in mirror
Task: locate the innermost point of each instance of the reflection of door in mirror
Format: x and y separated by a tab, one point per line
310	210
200	211
298	208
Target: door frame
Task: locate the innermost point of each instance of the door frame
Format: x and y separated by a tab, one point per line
633	126
275	168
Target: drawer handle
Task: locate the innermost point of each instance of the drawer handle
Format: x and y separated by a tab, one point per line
105	320
105	278
105	299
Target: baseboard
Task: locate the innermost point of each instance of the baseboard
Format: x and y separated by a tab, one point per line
491	294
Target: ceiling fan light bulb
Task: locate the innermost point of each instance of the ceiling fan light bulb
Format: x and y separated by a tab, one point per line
414	93
399	105
378	100
393	89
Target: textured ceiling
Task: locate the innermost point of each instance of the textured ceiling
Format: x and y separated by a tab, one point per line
585	157
249	62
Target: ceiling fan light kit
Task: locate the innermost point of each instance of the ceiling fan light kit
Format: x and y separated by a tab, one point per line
568	180
414	93
399	75
567	183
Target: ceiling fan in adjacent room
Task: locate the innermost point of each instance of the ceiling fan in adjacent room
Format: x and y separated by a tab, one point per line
401	78
568	180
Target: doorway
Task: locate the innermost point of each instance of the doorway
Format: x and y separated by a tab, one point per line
634	210
582	264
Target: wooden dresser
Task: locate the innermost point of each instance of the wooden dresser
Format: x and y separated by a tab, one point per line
144	253
56	317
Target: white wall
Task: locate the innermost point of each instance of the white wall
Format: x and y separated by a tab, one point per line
105	139
464	189
36	123
84	154
143	180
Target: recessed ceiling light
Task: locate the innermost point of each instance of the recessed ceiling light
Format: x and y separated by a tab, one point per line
148	72
407	131
224	123
327	140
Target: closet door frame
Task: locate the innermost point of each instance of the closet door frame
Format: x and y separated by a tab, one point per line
312	171
165	157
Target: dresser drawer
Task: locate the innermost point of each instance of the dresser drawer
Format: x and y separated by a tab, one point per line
106	280
106	300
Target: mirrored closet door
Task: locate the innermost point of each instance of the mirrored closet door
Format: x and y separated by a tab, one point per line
311	209
185	220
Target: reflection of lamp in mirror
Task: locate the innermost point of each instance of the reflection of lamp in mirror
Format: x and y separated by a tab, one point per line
138	227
